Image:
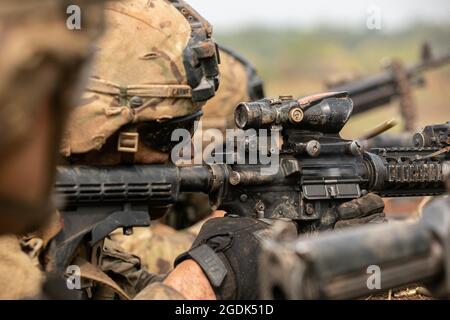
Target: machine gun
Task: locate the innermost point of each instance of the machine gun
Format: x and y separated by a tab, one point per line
395	82
316	170
339	265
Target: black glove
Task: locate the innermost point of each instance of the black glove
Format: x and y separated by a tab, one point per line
367	209
227	250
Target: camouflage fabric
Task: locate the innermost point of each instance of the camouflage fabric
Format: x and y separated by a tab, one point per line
149	68
124	270
139	73
19	277
157	246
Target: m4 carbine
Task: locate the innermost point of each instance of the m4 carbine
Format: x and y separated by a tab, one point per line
316	170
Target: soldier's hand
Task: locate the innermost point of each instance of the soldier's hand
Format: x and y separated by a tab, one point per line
227	251
367	209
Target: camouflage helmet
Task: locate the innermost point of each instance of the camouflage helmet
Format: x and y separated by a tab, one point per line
156	62
239	82
41	65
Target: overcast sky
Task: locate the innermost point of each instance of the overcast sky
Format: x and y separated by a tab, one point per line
395	14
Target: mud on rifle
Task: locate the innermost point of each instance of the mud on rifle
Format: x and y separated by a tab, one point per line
316	171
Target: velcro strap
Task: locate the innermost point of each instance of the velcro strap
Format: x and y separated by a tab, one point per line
210	263
144	90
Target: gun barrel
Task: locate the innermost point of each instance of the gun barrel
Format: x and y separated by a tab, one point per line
431	63
351	263
376	90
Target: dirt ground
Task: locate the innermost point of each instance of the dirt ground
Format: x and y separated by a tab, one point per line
403	208
413	292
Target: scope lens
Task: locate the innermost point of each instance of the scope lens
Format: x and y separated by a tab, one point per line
419	140
241	115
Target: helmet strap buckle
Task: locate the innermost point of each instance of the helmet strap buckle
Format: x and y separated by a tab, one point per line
128	142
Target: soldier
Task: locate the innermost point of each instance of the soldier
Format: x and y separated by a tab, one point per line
156	67
41	65
181	97
159	245
138	93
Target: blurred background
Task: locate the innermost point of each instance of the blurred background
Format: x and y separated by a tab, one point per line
299	45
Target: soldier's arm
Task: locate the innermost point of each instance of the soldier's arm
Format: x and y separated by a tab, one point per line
190	281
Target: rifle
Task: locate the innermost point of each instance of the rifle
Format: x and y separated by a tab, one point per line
316	171
339	265
395	82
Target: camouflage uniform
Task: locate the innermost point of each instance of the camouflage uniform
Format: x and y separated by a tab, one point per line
40	66
159	245
156	67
